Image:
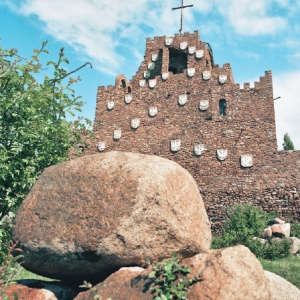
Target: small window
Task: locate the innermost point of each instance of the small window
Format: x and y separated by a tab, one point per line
123	83
129	90
177	61
222	107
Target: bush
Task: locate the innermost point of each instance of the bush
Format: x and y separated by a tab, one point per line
271	250
295	229
243	224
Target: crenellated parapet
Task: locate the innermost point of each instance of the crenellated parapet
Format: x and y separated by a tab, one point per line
183	106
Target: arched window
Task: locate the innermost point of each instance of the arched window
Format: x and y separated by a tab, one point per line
123	83
129	90
222	107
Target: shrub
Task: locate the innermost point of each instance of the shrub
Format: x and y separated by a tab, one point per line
295	229
171	280
243	224
271	250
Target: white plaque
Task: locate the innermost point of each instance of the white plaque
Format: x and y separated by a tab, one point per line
247	160
165	75
222	154
147	74
154	57
182	99
183	45
135	123
191	72
128	98
152	83
199	149
142	82
152	111
222	78
175	145
192	49
168	41
151	65
117	134
203	104
110	105
199	53
101	146
206	75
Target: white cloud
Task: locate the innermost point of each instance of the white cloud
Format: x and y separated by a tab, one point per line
250	17
102	31
98	28
287	108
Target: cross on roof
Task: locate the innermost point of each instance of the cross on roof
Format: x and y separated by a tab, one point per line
182	7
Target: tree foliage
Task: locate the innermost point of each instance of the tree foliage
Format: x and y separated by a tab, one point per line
34	132
287	143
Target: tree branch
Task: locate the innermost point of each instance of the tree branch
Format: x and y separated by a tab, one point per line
54	80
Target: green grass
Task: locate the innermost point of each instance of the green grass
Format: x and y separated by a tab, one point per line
287	268
24	274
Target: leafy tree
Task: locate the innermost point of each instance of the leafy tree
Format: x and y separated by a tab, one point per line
34	132
287	143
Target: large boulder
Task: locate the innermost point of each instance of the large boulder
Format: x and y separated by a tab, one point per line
281	289
90	216
228	274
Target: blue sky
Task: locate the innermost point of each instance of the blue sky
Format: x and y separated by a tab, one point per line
252	35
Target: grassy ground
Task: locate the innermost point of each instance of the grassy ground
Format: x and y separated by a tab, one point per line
287	268
24	274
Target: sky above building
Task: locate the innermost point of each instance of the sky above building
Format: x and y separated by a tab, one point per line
252	35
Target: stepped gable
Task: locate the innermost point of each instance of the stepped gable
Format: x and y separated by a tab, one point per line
182	106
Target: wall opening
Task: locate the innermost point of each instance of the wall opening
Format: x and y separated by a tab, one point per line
129	90
222	107
173	70
123	83
177	61
158	65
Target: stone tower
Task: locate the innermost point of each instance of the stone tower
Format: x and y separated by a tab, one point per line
182	106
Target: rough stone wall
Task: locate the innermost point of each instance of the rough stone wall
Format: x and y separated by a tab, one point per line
248	127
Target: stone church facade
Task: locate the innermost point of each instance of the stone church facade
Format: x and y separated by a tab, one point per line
182	106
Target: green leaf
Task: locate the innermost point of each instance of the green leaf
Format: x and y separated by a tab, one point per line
152	274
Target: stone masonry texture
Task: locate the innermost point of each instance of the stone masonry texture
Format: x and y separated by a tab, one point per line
238	119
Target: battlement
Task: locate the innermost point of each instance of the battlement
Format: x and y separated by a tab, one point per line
182	106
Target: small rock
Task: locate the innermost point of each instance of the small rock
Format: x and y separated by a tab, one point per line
281	230
262	241
276	221
267	233
295	246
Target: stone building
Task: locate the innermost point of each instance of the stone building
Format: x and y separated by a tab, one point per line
182	106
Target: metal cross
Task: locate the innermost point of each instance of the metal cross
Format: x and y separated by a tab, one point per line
182	7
